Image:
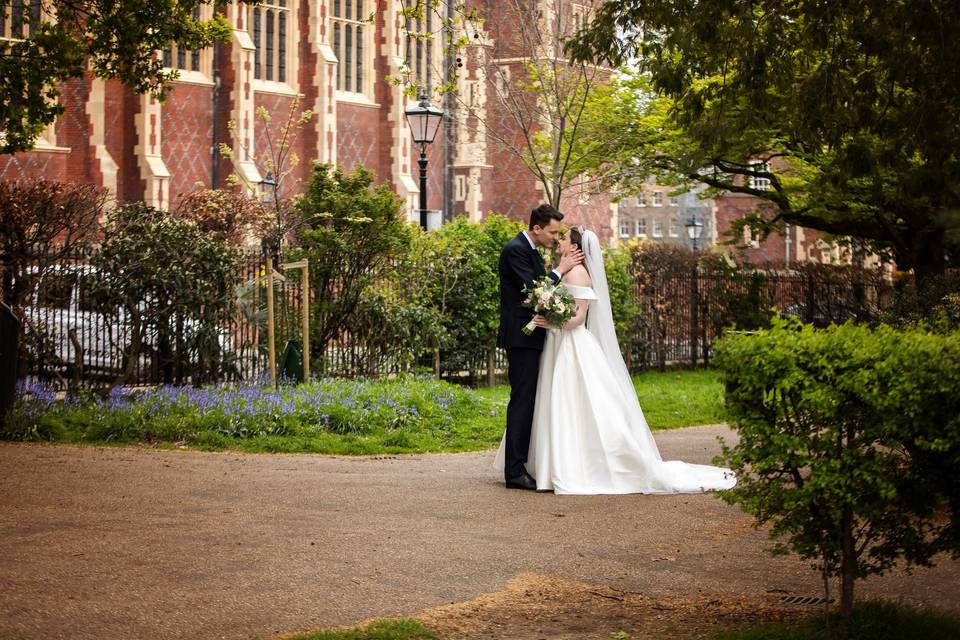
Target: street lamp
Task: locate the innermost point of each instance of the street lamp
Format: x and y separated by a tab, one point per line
694	225
267	187
424	120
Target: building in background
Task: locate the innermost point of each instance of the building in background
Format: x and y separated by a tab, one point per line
324	56
658	216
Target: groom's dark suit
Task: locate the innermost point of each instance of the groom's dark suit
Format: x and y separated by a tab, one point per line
520	265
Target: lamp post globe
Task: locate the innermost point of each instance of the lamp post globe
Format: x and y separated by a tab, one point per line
424	120
694	225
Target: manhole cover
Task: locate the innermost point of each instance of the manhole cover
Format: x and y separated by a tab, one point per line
805	601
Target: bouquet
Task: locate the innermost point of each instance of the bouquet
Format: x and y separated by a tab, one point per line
550	300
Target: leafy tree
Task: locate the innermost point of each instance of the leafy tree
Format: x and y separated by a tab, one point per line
42	223
533	102
465	288
353	231
56	40
849	444
853	106
537	116
173	284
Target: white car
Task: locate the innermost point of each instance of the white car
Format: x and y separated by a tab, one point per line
66	329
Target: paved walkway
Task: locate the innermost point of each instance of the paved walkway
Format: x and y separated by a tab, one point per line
130	543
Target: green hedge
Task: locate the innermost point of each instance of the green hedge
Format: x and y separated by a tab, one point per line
849	442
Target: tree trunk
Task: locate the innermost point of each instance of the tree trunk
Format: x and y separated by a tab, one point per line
491	366
848	568
929	264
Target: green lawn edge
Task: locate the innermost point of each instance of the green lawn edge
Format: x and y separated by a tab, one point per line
670	400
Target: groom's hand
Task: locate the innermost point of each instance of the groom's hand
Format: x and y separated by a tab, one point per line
569	261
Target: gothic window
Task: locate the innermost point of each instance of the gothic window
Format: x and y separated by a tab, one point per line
176	57
272	28
420	48
349	44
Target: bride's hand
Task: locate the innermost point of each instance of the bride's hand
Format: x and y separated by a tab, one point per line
569	260
542	322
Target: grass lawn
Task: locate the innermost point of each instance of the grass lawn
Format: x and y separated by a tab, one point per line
347	417
669	400
871	621
380	630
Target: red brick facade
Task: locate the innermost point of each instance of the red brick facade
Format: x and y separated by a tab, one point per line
141	149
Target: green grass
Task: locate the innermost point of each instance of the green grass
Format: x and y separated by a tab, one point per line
345	417
669	400
871	621
379	630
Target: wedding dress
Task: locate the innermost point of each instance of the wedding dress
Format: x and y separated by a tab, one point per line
589	434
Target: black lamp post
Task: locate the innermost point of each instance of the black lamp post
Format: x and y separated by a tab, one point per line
268	196
424	120
694	225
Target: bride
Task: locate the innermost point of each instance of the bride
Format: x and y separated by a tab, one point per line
589	435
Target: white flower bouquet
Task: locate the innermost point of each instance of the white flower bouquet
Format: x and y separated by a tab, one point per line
551	300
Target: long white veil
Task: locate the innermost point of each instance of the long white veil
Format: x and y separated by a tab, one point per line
600	324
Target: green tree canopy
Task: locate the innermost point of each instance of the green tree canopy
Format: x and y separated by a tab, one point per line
353	231
854	106
55	40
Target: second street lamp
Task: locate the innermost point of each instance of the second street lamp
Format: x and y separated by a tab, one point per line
424	120
694	227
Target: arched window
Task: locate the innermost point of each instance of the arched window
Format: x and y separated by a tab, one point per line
350	30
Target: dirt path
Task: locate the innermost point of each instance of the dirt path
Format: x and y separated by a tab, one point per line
129	543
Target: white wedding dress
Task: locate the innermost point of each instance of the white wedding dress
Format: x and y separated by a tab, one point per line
589	434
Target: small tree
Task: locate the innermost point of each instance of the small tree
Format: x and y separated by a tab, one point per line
849	444
352	234
276	164
228	215
174	286
42	223
463	285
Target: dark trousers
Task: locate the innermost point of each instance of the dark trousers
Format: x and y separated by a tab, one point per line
523	370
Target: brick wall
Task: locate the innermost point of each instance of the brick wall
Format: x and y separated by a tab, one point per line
187	123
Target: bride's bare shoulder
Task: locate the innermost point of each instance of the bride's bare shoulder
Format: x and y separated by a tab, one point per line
578	276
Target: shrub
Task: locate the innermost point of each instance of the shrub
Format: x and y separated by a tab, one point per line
849	443
175	287
353	233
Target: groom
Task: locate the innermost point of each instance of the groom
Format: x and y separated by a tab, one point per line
520	265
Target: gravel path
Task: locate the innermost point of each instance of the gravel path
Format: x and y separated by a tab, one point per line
140	543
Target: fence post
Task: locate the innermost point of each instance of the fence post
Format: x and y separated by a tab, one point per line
491	366
271	347
9	346
694	314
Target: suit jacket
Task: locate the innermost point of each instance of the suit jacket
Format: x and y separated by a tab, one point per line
519	266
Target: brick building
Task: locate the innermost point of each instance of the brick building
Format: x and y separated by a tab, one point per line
325	56
656	215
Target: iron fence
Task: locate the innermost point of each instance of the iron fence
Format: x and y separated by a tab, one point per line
684	310
71	339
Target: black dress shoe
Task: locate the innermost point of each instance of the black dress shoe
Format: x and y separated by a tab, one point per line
522	482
